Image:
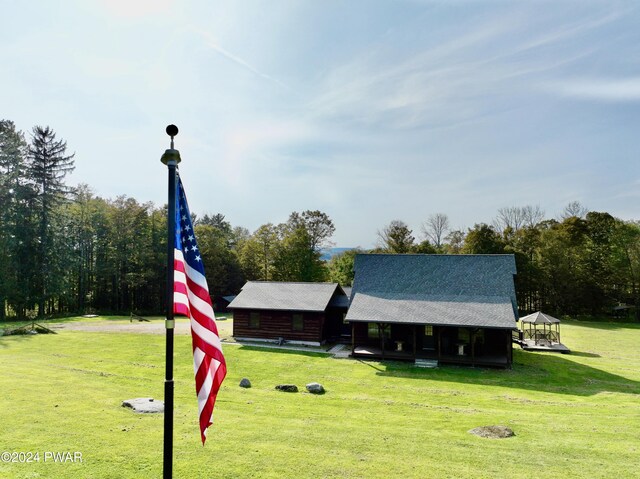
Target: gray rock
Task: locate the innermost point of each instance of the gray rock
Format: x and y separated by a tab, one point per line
315	388
144	405
245	383
287	388
493	432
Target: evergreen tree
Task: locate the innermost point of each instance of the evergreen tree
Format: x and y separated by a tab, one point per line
48	164
14	215
396	237
87	216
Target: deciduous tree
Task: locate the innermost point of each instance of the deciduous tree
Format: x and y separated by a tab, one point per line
436	228
482	239
341	267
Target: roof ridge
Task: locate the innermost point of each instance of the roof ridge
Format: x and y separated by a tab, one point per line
371	292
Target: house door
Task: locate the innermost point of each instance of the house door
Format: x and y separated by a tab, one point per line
428	340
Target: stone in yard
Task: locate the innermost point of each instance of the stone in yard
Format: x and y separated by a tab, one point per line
315	388
493	432
288	388
144	405
245	383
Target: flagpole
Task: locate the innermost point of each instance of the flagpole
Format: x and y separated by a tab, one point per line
171	158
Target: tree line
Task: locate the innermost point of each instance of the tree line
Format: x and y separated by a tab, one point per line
65	250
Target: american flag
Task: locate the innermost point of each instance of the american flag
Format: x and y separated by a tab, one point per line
191	298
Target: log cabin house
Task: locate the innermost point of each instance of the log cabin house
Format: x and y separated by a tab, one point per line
298	313
457	309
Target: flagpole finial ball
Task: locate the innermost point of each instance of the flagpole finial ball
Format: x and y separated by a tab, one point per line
171	156
172	130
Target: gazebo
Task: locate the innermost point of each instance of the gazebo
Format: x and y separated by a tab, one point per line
542	329
541	332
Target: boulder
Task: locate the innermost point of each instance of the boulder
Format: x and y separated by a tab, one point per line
245	383
315	388
493	432
287	388
144	405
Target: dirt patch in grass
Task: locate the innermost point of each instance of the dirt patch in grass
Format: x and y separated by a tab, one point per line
493	432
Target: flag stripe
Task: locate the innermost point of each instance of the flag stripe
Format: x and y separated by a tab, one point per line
195	276
207	348
191	298
206	336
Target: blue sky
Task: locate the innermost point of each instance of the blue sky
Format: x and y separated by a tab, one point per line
368	110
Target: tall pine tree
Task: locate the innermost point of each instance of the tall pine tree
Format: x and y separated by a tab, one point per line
48	164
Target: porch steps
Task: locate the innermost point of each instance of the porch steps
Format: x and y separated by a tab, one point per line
340	351
426	363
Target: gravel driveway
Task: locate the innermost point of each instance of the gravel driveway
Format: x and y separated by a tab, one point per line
122	326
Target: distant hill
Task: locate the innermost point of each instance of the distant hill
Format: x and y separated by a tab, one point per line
329	253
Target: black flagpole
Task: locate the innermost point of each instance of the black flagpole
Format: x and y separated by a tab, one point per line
171	158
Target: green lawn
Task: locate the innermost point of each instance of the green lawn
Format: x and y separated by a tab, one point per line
574	415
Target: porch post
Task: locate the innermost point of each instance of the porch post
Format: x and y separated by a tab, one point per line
381	334
439	341
353	338
415	350
473	348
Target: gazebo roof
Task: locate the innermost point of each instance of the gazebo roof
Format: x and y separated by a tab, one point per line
539	318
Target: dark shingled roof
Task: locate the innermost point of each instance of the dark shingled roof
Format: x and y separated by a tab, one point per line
454	290
284	296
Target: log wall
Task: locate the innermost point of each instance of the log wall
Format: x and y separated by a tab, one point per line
279	324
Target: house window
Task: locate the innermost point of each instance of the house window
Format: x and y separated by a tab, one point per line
373	331
297	322
254	320
428	330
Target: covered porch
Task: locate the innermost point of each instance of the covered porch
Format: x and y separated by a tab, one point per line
446	344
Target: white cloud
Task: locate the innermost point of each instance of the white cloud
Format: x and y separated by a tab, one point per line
211	43
609	90
467	71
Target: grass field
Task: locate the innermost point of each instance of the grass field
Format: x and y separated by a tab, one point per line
574	415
